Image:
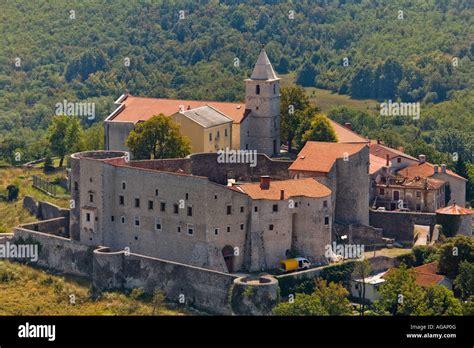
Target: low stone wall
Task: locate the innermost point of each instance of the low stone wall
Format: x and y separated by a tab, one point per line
255	295
58	253
399	225
44	210
58	226
193	286
360	234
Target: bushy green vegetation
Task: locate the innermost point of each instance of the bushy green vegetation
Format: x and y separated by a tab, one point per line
26	291
55	51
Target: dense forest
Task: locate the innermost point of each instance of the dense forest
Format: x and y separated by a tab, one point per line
412	51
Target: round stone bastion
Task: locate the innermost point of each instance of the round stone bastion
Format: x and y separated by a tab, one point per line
254	295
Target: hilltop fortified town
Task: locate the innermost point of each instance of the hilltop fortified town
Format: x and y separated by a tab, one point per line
190	224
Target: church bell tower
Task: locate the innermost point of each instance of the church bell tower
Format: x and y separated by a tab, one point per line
262	98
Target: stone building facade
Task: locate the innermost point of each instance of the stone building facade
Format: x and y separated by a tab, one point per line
160	209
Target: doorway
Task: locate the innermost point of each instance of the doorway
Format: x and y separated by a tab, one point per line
228	253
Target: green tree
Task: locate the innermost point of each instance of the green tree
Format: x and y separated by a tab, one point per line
468	306
400	295
441	301
158	137
419	147
327	299
464	282
303	305
306	76
65	136
452	252
293	102
362	270
13	192
320	130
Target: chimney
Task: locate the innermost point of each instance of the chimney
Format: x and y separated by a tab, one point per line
282	195
436	169
387	163
443	168
422	158
265	182
189	107
348	125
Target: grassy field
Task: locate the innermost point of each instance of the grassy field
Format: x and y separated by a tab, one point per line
12	213
27	291
326	99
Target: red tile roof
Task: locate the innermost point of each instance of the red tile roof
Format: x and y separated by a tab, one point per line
425	275
382	151
345	135
376	163
425	170
454	210
136	109
320	156
292	188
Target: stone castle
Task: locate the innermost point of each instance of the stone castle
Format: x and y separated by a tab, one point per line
192	225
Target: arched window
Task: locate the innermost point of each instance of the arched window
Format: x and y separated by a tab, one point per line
257	89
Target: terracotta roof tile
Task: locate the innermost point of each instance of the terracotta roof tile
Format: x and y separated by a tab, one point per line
425	275
382	151
376	163
293	188
345	135
424	170
136	109
320	156
454	210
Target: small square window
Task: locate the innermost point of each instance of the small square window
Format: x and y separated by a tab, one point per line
241	226
76	186
176	208
210	136
162	206
228	228
187	196
137	221
399	160
137	202
190	229
123	219
190	211
382	192
241	209
215	196
158	224
229	210
270	227
91	198
275	208
255	209
112	218
121	200
325	204
150	205
88	217
216	231
326	220
156	192
124	185
418	194
225	132
179	229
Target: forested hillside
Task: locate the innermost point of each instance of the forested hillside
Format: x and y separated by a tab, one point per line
95	50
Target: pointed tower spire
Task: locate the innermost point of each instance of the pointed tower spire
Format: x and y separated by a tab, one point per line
263	69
